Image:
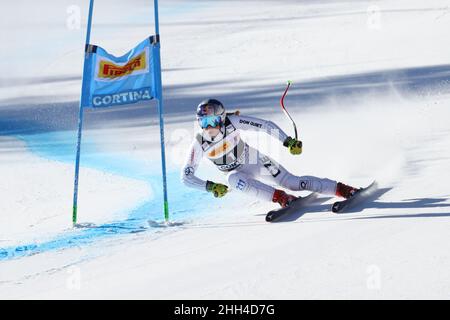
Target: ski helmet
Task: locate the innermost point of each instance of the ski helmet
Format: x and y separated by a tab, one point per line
210	112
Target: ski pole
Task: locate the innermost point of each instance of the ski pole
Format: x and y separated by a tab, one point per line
284	108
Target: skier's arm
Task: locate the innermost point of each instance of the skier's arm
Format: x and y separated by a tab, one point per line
256	124
188	176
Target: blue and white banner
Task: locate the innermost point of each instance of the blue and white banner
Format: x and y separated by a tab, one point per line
110	81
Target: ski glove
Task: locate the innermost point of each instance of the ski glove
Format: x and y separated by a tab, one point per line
294	146
218	189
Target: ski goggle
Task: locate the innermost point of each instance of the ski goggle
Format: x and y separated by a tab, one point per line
209	121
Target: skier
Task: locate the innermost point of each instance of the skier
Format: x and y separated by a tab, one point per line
245	166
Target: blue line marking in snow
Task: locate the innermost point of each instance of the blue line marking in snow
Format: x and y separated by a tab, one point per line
60	146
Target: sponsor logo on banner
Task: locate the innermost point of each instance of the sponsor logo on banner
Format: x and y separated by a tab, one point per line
107	70
125	97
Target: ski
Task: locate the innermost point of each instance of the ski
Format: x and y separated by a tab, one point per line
340	206
276	214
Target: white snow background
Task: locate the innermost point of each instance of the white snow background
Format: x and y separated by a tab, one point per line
371	98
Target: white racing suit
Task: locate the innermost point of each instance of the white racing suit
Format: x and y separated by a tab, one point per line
245	166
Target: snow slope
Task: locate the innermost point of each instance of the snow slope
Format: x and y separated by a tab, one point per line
371	100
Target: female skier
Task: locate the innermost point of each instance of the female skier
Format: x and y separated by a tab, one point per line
245	166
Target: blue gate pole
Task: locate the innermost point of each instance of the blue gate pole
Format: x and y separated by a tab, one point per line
80	118
158	84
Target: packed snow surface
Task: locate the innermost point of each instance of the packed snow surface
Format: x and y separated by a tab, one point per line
371	99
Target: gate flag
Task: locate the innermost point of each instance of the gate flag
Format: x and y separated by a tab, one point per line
110	81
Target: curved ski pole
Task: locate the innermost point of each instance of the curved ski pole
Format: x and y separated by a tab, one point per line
285	111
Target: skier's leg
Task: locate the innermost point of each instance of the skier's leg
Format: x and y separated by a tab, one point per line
273	171
309	183
244	182
250	181
319	185
314	184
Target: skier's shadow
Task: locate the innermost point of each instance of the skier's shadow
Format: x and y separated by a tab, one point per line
370	203
317	207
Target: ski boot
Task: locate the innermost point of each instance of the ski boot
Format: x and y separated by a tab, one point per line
281	197
345	191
